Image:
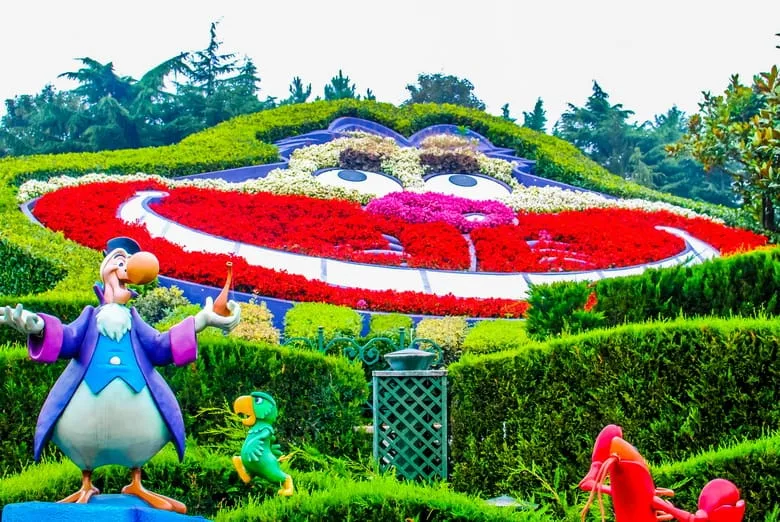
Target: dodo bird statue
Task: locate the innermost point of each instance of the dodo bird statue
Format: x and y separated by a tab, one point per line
110	405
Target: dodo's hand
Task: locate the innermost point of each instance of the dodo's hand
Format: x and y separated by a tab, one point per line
21	320
208	317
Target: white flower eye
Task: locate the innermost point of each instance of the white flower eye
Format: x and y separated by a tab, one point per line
471	186
363	181
259	400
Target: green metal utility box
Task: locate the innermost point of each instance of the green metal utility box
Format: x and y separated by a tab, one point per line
410	422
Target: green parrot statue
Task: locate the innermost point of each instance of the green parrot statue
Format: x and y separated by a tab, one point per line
260	455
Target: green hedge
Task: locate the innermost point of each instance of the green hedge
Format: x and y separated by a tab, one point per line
380	500
494	336
676	388
207	483
209	486
319	397
304	320
746	284
23	273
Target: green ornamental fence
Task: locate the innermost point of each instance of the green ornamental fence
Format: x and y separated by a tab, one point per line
369	352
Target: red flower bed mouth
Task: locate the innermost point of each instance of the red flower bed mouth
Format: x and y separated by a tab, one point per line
94	223
583	240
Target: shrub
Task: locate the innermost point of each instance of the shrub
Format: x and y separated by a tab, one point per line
745	284
388	325
23	273
676	388
256	324
493	336
178	315
156	304
303	320
379	499
560	308
65	305
447	332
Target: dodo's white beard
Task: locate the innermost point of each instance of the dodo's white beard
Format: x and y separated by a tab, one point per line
113	321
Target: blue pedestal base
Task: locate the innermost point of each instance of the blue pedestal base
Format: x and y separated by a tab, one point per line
102	508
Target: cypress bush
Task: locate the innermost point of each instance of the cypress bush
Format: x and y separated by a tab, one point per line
745	284
23	273
304	320
676	388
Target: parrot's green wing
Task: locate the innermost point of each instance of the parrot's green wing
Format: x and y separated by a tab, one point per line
254	445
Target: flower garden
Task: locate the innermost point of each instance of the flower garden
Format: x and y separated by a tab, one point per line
495	203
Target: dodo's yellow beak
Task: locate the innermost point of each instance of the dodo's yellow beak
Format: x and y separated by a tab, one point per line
142	268
245	405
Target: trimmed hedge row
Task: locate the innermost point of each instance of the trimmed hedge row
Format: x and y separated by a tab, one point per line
236	143
745	284
379	500
495	336
319	397
676	388
305	319
22	273
208	484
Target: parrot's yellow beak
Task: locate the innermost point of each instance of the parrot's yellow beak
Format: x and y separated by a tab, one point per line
245	405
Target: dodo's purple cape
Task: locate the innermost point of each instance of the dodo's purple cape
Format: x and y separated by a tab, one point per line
77	341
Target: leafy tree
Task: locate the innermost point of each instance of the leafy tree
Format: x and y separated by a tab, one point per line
369	95
112	127
681	175
46	123
207	67
505	112
298	94
740	133
537	119
108	111
438	88
98	80
601	130
339	88
219	87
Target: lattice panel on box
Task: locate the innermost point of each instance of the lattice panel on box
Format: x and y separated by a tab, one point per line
410	422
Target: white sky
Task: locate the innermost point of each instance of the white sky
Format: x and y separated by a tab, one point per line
648	55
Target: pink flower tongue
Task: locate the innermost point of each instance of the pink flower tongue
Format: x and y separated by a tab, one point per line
463	213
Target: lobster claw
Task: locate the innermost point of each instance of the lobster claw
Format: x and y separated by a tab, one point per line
601	452
720	501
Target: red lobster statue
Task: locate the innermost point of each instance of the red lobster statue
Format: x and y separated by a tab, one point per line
634	496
